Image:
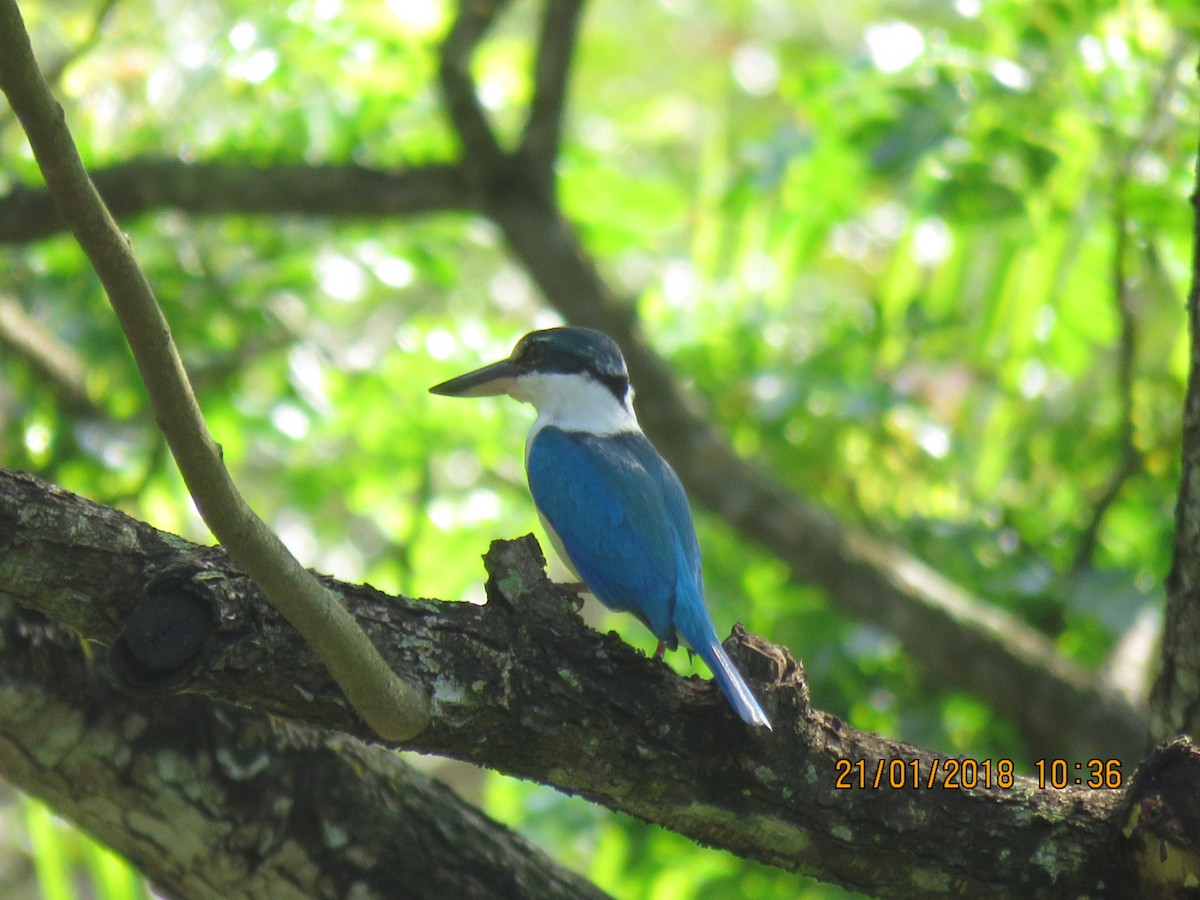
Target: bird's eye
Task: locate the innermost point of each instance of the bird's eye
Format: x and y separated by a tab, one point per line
531	352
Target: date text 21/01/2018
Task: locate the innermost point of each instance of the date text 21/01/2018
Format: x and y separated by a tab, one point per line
959	774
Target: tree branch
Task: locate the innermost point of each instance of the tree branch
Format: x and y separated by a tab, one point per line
1129	459
215	801
1175	700
23	336
556	49
142	185
394	708
1124	297
55	70
470	122
594	717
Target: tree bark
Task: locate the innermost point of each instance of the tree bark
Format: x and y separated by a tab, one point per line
521	685
139	186
215	801
1175	700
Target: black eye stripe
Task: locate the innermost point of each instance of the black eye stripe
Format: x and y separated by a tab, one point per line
571	351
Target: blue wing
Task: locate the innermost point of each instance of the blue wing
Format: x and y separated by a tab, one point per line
605	499
622	518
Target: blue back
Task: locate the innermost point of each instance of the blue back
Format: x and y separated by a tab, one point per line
622	518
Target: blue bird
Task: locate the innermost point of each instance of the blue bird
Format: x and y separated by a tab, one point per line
614	510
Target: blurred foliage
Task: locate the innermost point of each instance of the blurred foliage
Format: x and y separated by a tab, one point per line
896	247
44	858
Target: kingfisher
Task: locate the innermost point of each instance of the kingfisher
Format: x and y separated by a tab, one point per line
613	508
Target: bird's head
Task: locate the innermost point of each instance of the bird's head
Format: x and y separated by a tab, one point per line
564	372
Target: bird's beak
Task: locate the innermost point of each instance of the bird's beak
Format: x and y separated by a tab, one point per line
490	381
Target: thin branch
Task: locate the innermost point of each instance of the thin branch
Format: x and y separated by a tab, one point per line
480	145
23	336
1129	460
55	71
556	50
392	707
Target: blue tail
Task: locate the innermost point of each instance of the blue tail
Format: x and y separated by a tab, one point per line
736	690
696	628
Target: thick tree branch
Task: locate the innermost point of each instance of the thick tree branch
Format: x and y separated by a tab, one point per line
393	707
215	801
522	686
132	188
